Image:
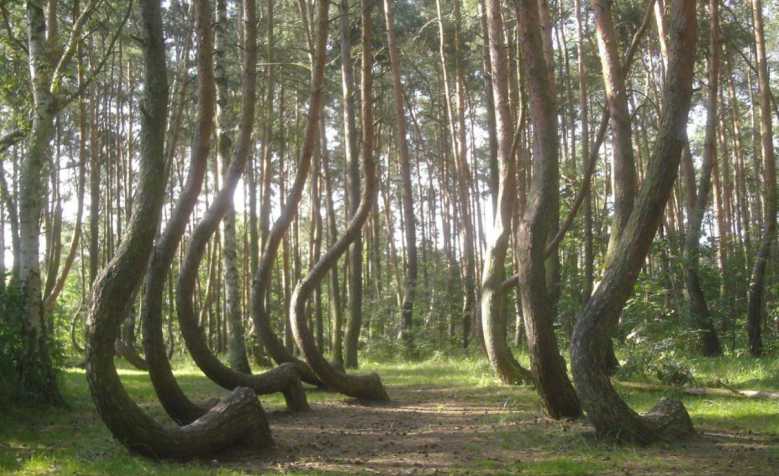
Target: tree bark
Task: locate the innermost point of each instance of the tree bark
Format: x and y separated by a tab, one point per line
610	415
534	228
757	285
237	418
368	387
409	229
493	302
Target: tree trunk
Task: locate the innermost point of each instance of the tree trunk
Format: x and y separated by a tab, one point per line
709	341
757	283
409	229
367	387
534	228
263	274
37	378
493	302
353	162
610	415
237	418
236	349
285	378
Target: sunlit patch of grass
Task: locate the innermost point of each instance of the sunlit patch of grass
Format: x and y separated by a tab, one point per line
35	441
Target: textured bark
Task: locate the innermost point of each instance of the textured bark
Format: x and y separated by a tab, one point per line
236	348
548	367
172	397
610	415
354	325
493	303
368	387
709	340
263	274
757	283
37	379
283	379
624	175
410	224
237	418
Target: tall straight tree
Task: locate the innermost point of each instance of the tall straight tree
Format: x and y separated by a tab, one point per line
236	349
48	62
757	282
353	163
710	345
410	222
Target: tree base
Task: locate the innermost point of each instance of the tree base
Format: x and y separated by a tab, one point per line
670	420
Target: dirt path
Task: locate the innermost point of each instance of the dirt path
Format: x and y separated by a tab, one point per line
435	430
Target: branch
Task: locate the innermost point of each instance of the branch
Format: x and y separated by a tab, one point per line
70	49
11	139
551	247
83	87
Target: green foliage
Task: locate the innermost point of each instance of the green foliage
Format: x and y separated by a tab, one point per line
11	338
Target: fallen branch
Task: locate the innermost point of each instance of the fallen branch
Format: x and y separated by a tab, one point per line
726	391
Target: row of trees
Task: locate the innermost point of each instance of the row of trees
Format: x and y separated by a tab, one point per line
504	176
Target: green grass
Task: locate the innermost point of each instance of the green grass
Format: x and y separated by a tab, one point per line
38	441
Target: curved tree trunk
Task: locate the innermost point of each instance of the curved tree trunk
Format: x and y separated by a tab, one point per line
610	415
263	274
283	379
237	418
368	387
170	394
493	302
548	366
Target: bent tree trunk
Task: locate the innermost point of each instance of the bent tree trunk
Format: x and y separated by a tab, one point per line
263	274
368	387
548	367
493	302
237	418
180	408
283	379
610	415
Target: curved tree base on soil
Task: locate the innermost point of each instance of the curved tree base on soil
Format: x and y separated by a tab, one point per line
237	419
610	415
364	387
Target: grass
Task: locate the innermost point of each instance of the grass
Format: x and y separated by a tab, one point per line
38	441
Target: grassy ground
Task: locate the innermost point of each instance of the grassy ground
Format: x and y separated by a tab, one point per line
447	416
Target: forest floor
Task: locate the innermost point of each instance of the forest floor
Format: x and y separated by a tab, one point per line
446	416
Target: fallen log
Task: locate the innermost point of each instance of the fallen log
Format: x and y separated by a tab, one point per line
725	391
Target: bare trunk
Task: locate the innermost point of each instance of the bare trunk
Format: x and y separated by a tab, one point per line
237	418
610	415
410	224
367	387
757	283
493	302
